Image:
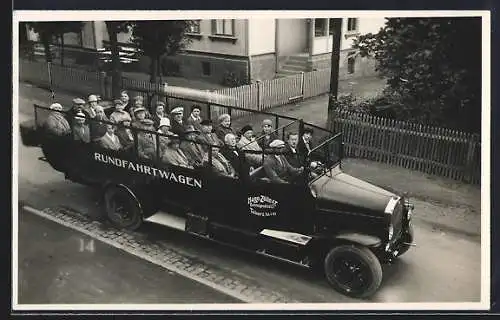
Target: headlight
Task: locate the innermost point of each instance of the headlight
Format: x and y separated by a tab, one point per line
391	231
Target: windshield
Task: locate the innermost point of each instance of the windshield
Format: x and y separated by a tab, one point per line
325	156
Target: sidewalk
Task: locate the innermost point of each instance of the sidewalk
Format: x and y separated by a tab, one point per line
444	203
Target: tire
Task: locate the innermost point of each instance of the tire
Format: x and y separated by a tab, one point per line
348	261
123	209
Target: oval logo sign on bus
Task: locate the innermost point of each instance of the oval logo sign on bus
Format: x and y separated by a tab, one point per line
262	206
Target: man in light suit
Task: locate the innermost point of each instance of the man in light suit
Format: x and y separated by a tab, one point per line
276	166
110	140
173	155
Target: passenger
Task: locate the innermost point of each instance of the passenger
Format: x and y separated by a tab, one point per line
247	142
267	136
174	155
176	117
232	154
125	134
304	146
194	118
291	153
89	109
146	144
224	126
276	166
81	131
56	123
207	137
110	140
159	113
164	128
124	97
78	106
119	112
97	127
220	164
191	149
139	116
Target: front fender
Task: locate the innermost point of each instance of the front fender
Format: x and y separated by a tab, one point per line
359	238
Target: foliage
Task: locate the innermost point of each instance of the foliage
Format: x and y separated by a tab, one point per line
47	30
433	68
232	79
160	37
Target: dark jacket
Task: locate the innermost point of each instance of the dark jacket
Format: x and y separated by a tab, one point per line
125	140
235	158
177	128
207	138
293	157
221	132
279	172
193	152
302	148
265	140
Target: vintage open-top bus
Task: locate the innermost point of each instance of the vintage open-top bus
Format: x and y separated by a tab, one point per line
324	217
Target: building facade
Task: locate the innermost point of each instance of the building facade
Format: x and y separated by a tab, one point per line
247	50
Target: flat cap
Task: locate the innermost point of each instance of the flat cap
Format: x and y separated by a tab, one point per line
277	144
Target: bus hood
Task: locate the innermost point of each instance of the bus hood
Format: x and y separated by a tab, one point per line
340	191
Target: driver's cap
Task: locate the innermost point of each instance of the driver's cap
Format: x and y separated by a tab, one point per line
277	144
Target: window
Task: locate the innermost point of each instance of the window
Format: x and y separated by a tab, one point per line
351	63
223	27
352	24
195	26
206	68
320	27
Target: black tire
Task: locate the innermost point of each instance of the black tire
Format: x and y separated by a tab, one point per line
359	264
123	209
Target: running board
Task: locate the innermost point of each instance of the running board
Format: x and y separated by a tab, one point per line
168	220
293	237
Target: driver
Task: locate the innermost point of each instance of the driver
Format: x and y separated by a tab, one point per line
276	166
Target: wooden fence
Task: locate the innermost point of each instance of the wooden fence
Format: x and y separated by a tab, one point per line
433	150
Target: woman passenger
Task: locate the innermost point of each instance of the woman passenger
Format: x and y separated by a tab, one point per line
224	126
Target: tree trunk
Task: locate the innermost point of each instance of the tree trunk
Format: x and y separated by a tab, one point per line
62	49
46	46
115	59
154	70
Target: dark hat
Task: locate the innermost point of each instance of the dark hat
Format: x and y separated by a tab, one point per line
206	122
308	130
246	128
160	103
173	138
195	106
147	122
191	129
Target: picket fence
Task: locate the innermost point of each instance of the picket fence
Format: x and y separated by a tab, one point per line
433	150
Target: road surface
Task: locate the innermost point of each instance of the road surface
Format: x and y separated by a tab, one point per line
58	265
444	267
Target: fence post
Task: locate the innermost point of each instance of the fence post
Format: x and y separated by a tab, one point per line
302	80
469	162
259	102
102	84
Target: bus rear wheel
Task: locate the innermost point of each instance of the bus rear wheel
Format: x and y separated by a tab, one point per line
123	208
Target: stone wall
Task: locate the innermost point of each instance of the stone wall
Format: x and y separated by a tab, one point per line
263	67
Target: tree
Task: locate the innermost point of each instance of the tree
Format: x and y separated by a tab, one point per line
48	30
114	28
432	66
158	38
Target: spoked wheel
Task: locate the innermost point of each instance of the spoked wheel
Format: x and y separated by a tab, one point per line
353	270
123	208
